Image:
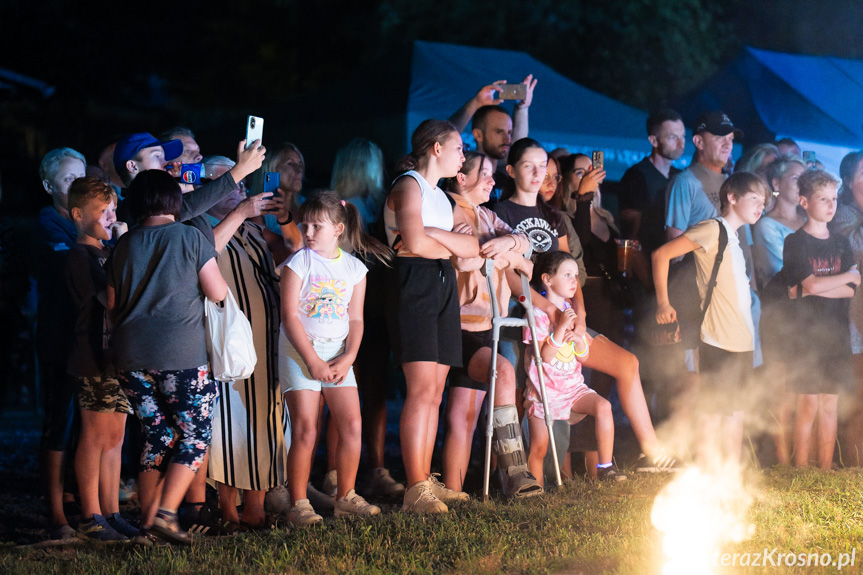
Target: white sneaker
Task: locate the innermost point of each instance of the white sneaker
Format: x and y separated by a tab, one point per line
354	504
303	514
277	501
331	483
318	499
420	499
381	483
443	492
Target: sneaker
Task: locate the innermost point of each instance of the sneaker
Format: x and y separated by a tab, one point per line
277	501
97	530
319	500
201	519
381	483
420	499
147	538
303	514
127	491
122	526
443	492
331	484
167	527
62	533
609	474
354	504
662	463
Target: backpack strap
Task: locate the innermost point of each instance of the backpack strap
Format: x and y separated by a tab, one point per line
723	243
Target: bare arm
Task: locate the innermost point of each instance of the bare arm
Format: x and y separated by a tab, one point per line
661	260
824	285
343	363
212	283
251	207
485	97
460	241
519	115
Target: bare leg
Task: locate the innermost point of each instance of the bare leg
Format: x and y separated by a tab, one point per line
253	508
178	479
418	424
610	358
732	434
53	463
462	412
599	407
303	406
110	464
198	487
149	494
345	416
538	447
228	503
807	408
781	409
827	423
591	460
93	463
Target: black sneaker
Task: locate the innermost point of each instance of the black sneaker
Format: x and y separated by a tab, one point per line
662	463
120	525
609	474
200	519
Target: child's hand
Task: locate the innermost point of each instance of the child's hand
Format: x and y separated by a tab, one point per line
340	367
565	321
665	313
117	229
321	371
855	275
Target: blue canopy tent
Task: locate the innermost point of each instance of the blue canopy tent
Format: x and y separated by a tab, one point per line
563	113
816	100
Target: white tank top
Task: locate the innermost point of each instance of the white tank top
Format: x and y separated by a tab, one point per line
436	208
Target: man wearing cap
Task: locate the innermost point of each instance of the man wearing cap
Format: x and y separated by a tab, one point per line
693	194
136	153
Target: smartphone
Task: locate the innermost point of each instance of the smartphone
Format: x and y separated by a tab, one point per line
512	91
191	173
809	158
598	159
271	182
254	130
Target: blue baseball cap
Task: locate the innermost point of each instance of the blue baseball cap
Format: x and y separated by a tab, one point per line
129	146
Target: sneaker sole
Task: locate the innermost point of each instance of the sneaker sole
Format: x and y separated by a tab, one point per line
170	536
339	513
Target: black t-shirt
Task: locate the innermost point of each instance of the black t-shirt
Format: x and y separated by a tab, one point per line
642	188
822	322
544	233
85	279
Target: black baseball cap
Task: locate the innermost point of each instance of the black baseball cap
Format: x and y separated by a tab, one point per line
717	123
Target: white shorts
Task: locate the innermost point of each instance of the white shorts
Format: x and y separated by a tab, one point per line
294	375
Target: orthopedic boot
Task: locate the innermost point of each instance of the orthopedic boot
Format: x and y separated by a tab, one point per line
516	478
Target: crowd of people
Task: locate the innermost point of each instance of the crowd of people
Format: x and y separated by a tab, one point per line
728	271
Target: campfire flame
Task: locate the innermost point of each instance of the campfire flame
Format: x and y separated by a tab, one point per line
699	513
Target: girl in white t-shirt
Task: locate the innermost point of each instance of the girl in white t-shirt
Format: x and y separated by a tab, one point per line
322	291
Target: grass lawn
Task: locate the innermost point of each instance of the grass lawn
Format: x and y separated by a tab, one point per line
582	528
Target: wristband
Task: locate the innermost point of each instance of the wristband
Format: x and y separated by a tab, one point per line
586	347
551	343
289	220
554	341
514	243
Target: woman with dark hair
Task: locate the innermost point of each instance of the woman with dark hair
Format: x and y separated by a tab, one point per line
426	230
156	277
849	222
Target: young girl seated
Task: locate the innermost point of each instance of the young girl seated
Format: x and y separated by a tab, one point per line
562	352
322	291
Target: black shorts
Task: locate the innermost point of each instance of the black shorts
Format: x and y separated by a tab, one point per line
471	342
424	319
725	377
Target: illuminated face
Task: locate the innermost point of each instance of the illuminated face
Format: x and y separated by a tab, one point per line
549	184
96	218
565	281
57	184
713	150
529	172
748	207
496	137
479	185
821	206
451	156
857	184
786	186
322	236
670	139
191	151
150	159
291	169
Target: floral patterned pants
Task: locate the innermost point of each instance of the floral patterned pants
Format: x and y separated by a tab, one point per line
175	408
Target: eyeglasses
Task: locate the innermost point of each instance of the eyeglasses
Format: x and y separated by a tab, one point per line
555	177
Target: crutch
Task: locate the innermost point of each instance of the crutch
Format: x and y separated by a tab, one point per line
498	322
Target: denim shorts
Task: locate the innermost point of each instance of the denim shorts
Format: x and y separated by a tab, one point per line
294	375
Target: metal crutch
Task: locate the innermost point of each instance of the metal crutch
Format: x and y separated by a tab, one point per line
498	322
